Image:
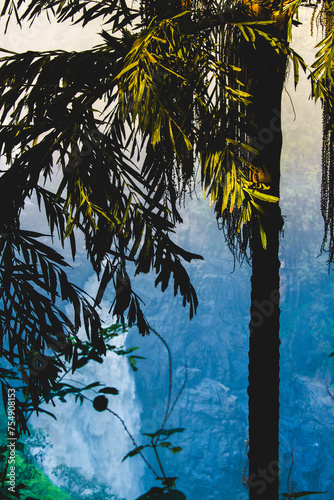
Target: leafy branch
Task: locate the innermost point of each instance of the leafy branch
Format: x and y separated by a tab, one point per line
159	439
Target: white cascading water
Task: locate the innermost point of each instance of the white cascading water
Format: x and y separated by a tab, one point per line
96	441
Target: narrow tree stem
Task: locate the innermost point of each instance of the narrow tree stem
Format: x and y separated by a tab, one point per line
159	461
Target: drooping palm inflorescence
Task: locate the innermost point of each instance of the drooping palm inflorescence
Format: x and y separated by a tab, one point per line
325	68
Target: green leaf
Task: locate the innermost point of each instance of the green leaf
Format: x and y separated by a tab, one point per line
176	449
262	234
296	70
165	432
165	444
263	196
169	482
134	452
127	69
241	28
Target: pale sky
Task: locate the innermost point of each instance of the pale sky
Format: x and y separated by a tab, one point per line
43	35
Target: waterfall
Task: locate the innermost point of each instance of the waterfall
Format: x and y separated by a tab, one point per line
95	441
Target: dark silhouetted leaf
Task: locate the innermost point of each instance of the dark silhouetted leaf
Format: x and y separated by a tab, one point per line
109	390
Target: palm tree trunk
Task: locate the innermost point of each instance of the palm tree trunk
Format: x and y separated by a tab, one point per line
263	389
265	74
